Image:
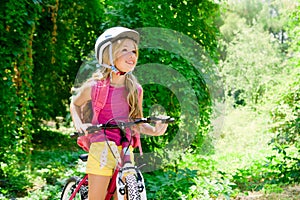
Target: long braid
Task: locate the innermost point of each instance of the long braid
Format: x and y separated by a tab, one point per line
131	85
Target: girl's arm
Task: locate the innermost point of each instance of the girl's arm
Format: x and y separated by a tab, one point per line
157	130
77	102
147	129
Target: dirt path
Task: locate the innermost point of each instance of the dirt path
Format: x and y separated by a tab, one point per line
288	193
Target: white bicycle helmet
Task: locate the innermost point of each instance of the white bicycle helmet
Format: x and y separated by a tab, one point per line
107	38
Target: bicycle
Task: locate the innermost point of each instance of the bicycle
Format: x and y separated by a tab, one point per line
133	186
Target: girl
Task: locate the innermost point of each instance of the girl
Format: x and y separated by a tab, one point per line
117	52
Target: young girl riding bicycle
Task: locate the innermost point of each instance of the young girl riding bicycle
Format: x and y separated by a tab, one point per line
116	51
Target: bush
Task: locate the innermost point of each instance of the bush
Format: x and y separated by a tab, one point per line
286	126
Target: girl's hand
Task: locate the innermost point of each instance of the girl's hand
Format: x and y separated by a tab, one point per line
160	128
157	130
81	128
136	129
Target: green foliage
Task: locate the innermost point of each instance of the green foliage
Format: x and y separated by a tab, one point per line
168	94
247	9
14	180
194	178
266	174
54	158
42	46
199	25
65	33
43	43
286	120
17	94
247	68
169	184
272	15
270	81
252	178
286	116
196	19
212	188
122	13
37	70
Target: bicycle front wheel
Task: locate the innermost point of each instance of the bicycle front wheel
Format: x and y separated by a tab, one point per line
69	189
132	188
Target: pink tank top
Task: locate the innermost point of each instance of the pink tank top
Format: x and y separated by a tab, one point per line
116	107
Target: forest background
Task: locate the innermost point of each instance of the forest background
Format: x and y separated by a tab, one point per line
246	140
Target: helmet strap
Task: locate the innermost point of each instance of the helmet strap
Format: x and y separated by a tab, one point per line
111	55
102	49
112	66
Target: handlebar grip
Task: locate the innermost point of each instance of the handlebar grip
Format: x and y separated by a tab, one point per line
166	120
74	135
169	120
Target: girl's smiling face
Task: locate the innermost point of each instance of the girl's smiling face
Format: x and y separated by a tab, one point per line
126	56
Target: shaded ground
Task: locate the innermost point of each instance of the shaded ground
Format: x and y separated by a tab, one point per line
288	193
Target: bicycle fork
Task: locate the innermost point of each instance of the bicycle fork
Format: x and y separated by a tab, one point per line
130	173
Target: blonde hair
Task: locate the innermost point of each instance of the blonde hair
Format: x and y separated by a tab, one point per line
131	83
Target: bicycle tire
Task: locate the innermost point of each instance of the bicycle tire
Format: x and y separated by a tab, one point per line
69	188
132	187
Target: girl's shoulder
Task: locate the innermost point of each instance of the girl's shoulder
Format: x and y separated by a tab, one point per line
95	82
139	88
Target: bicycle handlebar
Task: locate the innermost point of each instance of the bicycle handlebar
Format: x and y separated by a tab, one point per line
123	125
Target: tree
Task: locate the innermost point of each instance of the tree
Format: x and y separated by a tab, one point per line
38	68
17	88
271	15
62	38
251	48
196	19
285	110
251	64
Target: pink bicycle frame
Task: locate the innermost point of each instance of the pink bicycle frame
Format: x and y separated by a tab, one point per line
112	184
110	190
79	186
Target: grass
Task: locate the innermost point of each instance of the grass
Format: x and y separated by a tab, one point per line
240	144
242	139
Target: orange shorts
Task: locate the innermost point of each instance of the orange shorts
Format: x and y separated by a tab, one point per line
102	161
